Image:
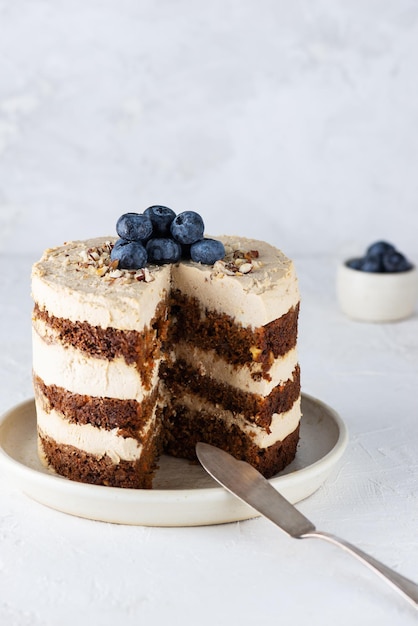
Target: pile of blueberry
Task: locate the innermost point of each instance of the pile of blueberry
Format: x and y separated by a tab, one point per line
381	257
160	236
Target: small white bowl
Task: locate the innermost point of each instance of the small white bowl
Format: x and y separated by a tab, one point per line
377	297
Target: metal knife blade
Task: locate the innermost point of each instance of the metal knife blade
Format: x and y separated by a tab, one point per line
245	482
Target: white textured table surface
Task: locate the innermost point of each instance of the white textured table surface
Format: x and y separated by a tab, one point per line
295	122
58	569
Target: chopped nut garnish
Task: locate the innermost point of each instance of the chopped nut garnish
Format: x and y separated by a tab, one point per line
236	262
96	260
246	268
115	273
148	276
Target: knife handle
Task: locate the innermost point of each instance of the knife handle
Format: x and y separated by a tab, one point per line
405	586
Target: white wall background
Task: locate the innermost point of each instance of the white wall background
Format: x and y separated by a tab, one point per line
295	122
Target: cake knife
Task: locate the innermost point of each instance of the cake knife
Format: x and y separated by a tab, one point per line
245	482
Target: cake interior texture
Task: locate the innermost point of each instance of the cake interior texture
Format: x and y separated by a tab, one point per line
128	365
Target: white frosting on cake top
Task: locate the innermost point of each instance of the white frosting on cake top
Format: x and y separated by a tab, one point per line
71	283
255	298
76	282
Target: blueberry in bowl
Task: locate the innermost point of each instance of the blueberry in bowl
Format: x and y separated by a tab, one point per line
380	286
381	257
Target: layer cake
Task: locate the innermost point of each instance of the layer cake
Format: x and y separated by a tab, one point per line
130	364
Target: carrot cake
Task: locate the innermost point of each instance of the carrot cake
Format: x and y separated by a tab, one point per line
133	362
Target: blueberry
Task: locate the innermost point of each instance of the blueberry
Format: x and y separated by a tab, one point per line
163	250
161	218
381	257
379	247
187	227
134	227
372	263
119	242
207	251
394	261
130	254
355	264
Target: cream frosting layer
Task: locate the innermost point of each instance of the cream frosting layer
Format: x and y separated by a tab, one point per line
90	439
253	299
241	377
282	424
69	368
67	286
71	285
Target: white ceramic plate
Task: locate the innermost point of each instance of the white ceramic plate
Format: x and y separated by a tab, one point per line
183	494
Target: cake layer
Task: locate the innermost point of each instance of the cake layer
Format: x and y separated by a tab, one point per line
209	330
196	425
80	466
137	348
79	450
143	349
183	378
281	425
247	377
262	345
129	416
253	299
71	369
76	282
87	438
